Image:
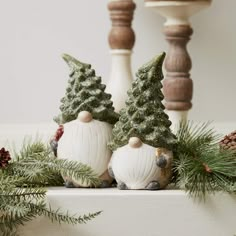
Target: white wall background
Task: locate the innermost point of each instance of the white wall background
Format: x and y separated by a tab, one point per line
34	34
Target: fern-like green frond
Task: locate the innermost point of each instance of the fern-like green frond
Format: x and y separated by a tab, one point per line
200	166
39	167
21	197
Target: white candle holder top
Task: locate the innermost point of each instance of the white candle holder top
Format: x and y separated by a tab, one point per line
178	12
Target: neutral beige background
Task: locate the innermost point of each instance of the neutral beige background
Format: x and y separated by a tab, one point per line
35	33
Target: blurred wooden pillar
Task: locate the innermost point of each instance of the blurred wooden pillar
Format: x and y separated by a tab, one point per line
178	86
121	41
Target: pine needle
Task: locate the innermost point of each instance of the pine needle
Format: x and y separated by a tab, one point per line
36	164
22	196
200	166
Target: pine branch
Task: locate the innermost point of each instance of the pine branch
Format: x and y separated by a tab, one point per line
21	198
9	181
23	193
193	138
39	169
14	214
60	217
38	166
200	167
17	213
40	175
19	206
31	149
6	231
36	173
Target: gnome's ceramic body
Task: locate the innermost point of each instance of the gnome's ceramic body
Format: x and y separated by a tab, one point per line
141	166
142	140
85	140
87	116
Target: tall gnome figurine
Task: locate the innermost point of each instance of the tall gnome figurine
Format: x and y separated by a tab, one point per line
142	140
86	119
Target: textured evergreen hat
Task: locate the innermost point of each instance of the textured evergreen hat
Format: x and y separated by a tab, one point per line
85	92
144	115
73	63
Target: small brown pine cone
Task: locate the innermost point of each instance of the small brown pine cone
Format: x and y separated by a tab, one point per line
229	142
4	158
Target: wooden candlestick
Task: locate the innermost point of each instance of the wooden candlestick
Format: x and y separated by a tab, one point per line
121	41
178	87
121	35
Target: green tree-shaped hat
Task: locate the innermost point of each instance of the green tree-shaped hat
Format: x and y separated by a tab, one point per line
144	115
85	92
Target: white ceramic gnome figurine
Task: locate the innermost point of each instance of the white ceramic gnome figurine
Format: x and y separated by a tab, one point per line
142	140
86	119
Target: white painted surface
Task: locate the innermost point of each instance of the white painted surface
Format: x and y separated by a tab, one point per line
34	34
120	78
139	213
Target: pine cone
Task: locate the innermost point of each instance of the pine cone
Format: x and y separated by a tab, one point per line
229	142
4	158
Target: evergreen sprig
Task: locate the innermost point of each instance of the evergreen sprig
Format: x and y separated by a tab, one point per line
22	196
38	166
20	205
200	166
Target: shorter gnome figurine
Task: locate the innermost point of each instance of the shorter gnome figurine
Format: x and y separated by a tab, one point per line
142	140
86	119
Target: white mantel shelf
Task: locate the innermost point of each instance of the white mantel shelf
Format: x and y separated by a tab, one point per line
139	213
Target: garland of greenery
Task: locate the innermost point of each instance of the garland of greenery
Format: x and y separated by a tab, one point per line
22	196
200	166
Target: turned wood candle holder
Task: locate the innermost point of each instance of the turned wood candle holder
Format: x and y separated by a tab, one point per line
177	85
121	41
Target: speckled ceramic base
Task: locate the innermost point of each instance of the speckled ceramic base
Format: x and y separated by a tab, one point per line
140	167
86	142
